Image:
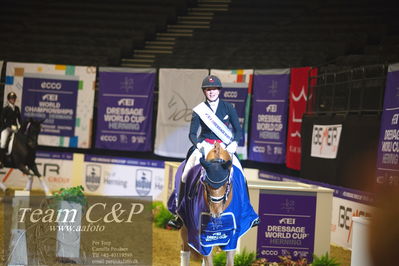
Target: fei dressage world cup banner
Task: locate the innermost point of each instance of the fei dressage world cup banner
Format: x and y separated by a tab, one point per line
179	92
269	116
124	116
237	89
388	147
61	95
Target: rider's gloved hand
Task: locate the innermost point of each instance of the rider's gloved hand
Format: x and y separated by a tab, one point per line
14	128
232	147
200	147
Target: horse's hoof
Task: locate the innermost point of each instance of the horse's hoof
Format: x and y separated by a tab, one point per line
175	223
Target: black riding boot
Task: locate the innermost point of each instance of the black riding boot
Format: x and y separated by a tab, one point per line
176	222
2	157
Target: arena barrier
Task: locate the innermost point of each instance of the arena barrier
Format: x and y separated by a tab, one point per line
295	218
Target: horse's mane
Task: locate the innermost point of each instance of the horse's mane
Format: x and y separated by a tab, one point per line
218	153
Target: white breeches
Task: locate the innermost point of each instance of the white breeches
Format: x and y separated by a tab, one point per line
194	158
4	136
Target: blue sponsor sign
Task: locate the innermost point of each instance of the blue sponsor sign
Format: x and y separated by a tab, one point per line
287	225
124	117
53	100
269	116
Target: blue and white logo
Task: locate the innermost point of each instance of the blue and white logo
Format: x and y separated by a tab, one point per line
93	177
143	181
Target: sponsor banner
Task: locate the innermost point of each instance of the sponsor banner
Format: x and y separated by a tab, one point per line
105	231
237	89
62	95
299	97
106	175
52	99
124	117
237	95
269	116
287	226
55	168
388	146
342	224
347	203
325	141
179	92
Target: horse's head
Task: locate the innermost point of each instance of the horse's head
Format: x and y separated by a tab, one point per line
31	129
216	180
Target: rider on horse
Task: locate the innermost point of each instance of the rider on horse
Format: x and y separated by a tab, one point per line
222	111
10	122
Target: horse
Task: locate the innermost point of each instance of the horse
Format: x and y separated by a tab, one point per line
215	209
22	152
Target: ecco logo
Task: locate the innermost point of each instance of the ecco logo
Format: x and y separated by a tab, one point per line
230	94
108	138
269	252
51	85
259	149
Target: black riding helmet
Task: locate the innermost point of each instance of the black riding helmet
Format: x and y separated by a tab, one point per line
211	81
11	95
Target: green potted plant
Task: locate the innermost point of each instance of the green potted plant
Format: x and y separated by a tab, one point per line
72	194
324	260
69	203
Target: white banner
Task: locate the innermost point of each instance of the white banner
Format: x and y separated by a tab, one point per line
213	122
238	78
56	169
105	175
62	94
179	91
341	222
325	141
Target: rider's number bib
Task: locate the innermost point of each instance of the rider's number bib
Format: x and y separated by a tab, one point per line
216	231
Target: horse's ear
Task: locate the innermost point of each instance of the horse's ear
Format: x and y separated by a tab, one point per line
204	163
227	164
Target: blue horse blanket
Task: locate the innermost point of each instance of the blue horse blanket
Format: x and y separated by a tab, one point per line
204	231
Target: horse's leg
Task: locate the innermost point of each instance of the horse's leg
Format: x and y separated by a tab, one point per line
230	257
28	186
23	169
32	164
33	167
185	249
208	260
44	186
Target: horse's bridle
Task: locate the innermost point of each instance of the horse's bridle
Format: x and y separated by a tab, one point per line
221	198
226	193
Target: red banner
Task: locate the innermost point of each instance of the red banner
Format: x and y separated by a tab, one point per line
298	97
